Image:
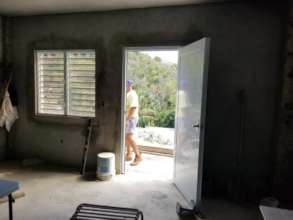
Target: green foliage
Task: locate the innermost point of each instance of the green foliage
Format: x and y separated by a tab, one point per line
166	119
155	84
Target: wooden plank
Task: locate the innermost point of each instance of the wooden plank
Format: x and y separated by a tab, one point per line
157	150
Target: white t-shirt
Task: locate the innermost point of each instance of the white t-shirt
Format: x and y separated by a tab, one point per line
132	101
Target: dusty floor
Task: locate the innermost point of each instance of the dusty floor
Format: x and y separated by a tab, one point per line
52	193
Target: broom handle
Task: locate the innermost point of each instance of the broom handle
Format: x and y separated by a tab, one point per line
86	147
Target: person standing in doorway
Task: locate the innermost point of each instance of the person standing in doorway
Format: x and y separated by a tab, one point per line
132	105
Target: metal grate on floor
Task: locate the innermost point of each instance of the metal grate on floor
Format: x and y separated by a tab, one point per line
94	212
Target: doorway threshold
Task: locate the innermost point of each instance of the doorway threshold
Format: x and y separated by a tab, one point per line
155	167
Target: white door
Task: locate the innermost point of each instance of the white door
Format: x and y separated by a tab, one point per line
190	122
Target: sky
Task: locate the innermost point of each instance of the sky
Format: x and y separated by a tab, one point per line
170	56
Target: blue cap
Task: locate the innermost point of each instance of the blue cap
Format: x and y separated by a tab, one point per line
129	82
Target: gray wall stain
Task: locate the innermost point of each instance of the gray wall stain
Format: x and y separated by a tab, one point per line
245	50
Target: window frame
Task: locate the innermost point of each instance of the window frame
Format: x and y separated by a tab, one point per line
66	86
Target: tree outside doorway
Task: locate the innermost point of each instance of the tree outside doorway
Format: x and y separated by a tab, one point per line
154	74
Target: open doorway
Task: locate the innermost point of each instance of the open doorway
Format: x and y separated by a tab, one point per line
152	73
189	119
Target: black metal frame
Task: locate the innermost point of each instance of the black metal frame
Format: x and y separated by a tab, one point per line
10	201
90	212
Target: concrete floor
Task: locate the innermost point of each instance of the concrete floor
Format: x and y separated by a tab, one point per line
154	167
53	193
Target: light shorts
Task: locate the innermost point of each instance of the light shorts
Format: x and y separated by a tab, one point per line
131	124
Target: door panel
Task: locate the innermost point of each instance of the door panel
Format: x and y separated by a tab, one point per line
191	99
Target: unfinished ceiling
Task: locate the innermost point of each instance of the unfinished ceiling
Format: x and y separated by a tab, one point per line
33	7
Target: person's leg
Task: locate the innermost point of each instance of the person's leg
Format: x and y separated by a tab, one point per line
134	146
132	143
128	156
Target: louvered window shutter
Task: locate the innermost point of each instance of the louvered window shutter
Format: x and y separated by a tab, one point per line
81	71
50	82
66	82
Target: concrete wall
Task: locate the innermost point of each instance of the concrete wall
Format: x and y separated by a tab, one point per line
245	54
284	153
2	131
1	39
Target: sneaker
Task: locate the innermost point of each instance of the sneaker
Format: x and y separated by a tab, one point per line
128	157
136	161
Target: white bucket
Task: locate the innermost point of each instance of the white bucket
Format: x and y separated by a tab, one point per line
105	166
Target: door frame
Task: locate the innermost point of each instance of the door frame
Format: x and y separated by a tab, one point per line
123	93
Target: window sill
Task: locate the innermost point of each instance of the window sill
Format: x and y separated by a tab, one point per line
61	119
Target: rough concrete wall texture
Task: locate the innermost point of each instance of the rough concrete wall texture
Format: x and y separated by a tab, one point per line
284	176
245	53
2	131
1	39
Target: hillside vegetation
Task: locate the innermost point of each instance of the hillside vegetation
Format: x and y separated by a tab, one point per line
155	84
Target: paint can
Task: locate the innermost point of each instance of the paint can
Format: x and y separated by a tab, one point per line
105	166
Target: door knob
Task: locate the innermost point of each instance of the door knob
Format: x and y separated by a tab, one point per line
196	125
